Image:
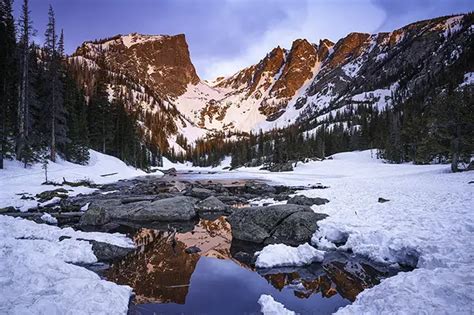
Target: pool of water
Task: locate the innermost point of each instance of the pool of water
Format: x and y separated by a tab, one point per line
221	279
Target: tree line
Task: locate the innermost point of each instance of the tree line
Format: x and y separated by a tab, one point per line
44	112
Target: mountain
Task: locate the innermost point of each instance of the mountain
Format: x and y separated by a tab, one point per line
308	84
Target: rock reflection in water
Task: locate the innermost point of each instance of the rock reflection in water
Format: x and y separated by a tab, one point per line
221	276
160	270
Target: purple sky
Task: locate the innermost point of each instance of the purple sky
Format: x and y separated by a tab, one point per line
227	35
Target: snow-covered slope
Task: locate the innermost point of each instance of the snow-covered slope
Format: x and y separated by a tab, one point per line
15	179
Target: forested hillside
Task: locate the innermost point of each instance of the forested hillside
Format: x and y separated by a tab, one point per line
45	113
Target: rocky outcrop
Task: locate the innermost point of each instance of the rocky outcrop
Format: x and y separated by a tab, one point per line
174	209
307	201
287	224
212	204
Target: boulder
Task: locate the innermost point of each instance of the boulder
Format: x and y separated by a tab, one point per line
50	194
287	224
306	201
108	252
211	204
173	209
259	189
200	193
281	167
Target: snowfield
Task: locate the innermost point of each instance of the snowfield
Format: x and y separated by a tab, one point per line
15	179
428	223
37	277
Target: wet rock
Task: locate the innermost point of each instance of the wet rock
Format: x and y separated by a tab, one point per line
192	250
50	194
200	193
282	196
108	252
232	200
306	201
382	200
211	204
259	189
287	224
101	212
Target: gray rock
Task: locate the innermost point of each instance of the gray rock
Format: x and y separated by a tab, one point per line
200	193
306	201
383	200
211	204
173	209
108	252
50	194
259	189
281	167
288	224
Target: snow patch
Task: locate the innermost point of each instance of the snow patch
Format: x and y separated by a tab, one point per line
271	307
280	255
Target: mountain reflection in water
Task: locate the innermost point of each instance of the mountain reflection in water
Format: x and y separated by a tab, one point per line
166	279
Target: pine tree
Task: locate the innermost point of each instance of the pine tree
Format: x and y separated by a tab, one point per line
8	82
26	31
55	105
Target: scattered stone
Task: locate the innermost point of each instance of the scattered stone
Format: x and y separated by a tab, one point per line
306	201
170	172
287	224
192	250
211	204
259	189
281	167
200	193
50	194
382	200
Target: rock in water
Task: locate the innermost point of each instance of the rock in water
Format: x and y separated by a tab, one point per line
306	201
287	224
174	209
108	252
200	193
212	204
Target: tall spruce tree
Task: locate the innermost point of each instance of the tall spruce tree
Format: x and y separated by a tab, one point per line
23	150
54	103
8	82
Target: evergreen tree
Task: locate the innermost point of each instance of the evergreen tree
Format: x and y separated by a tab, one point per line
8	82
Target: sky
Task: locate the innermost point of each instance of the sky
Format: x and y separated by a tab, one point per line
225	36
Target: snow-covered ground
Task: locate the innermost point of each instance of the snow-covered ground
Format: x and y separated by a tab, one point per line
38	275
38	272
428	223
281	255
15	179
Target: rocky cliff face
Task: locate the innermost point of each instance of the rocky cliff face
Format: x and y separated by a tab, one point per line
308	82
161	62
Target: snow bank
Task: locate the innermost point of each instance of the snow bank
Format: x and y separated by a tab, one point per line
15	179
36	276
428	223
271	307
422	291
280	255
